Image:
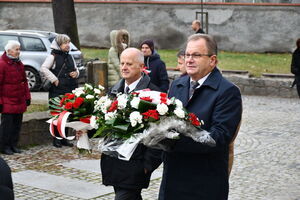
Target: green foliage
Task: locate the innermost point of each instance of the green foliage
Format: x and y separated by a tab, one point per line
255	63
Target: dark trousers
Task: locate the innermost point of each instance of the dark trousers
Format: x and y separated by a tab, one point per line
6	184
10	129
298	88
127	194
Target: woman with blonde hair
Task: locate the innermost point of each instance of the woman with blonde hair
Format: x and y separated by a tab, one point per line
60	68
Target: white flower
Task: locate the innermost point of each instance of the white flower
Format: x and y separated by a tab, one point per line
178	104
179	112
88	86
97	91
162	108
101	87
135	117
110	115
93	122
89	96
103	104
135	102
78	91
122	101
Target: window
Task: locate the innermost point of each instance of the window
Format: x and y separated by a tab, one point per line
33	44
4	39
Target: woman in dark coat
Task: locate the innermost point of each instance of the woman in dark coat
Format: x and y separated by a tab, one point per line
158	72
295	66
14	97
60	68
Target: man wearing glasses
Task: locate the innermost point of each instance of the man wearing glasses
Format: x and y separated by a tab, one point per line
192	170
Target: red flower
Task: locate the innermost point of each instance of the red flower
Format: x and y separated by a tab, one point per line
70	96
193	118
113	106
163	95
69	106
85	120
78	102
151	114
146	99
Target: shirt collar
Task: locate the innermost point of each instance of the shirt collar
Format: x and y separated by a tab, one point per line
201	80
133	85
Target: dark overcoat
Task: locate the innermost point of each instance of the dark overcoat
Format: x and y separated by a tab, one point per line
14	89
194	171
130	174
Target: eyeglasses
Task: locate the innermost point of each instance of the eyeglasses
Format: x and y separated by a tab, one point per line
195	56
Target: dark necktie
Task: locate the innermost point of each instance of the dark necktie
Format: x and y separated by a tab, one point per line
127	90
193	86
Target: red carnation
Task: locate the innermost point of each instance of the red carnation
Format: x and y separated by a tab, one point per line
62	101
113	106
146	99
163	95
70	95
78	102
193	118
69	106
151	114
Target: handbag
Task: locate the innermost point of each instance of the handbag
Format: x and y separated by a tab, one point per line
46	84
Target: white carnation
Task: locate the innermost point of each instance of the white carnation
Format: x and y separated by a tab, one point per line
162	108
89	96
101	87
135	117
88	86
78	91
178	104
122	101
110	115
179	112
135	102
97	91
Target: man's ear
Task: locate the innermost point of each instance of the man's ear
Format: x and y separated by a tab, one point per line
213	60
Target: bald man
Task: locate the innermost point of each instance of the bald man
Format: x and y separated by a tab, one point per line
129	177
196	26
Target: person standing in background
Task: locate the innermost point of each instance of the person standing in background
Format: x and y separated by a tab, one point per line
14	97
60	68
158	72
196	26
295	66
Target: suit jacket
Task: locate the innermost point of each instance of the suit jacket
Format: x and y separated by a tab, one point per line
130	174
194	171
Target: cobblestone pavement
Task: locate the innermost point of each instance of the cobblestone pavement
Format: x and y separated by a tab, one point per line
266	165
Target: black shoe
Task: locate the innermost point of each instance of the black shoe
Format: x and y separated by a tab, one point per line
7	151
65	142
57	143
16	150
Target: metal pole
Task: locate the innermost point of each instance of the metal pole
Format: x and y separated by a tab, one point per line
202	13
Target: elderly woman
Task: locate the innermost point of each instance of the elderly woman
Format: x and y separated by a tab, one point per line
14	97
60	68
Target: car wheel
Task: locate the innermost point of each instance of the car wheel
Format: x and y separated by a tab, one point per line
33	78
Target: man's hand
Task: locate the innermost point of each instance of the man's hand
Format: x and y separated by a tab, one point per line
73	74
28	102
79	133
56	83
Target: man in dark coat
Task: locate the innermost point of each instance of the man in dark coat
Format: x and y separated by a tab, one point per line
14	97
194	171
129	177
157	68
6	184
196	26
295	66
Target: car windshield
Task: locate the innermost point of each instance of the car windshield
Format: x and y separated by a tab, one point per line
73	47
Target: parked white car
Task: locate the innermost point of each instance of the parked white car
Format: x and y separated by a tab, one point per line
35	47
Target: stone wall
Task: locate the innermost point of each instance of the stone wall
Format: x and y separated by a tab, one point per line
237	27
273	87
